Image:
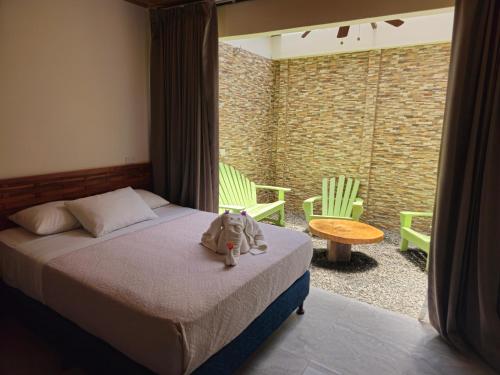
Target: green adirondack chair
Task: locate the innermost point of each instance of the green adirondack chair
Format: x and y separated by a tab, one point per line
338	201
422	241
237	193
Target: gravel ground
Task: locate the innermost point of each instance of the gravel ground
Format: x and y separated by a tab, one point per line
378	274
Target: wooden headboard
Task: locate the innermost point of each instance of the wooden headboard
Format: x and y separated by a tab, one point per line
23	192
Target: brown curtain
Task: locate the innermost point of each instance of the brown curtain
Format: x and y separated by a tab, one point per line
184	104
464	273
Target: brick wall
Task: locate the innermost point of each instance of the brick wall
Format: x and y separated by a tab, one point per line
246	117
407	131
376	115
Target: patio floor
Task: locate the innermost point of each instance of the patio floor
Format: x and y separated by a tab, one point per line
379	274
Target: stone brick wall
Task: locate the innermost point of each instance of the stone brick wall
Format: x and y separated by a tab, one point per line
376	115
407	132
246	116
321	111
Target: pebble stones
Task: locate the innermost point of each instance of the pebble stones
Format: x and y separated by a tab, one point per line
378	274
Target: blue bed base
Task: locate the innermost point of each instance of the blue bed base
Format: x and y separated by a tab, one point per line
81	349
229	358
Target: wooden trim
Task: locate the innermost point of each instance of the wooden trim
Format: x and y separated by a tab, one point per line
142	3
19	193
170	3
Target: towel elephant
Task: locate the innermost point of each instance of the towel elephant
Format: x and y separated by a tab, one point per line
232	235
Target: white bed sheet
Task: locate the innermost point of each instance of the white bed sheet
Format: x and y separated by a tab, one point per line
152	290
23	254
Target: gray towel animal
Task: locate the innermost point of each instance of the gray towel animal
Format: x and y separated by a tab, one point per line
232	235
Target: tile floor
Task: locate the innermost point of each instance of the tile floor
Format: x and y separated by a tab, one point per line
339	335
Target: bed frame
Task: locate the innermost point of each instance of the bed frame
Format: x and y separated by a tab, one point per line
81	349
23	192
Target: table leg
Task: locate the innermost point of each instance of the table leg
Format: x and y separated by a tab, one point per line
339	252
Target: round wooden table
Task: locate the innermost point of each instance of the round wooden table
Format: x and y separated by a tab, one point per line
341	234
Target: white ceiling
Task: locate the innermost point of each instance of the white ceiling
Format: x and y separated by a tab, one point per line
427	29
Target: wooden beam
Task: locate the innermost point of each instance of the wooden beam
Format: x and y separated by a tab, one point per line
142	3
159	3
168	3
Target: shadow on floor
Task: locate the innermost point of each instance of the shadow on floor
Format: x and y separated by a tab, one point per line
360	262
416	257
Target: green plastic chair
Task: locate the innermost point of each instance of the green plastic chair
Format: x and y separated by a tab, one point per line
237	193
338	200
422	241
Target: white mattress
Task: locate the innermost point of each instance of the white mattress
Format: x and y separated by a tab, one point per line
23	254
152	290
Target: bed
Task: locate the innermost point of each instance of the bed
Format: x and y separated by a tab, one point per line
150	291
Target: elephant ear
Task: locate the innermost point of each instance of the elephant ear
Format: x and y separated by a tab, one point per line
249	224
215	227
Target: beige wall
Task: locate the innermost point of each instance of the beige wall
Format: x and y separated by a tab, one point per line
260	16
73	85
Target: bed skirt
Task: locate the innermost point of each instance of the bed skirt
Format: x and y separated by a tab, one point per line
81	349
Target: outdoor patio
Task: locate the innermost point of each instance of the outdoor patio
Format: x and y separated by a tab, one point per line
378	274
374	116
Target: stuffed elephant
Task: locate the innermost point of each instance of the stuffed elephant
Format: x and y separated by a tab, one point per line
232	235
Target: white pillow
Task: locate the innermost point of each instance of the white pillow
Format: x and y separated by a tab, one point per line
47	218
104	213
152	200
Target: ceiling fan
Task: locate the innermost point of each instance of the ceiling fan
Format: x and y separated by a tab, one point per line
344	30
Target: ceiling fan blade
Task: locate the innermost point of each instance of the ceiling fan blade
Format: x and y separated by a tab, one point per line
343	31
395	23
306	33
